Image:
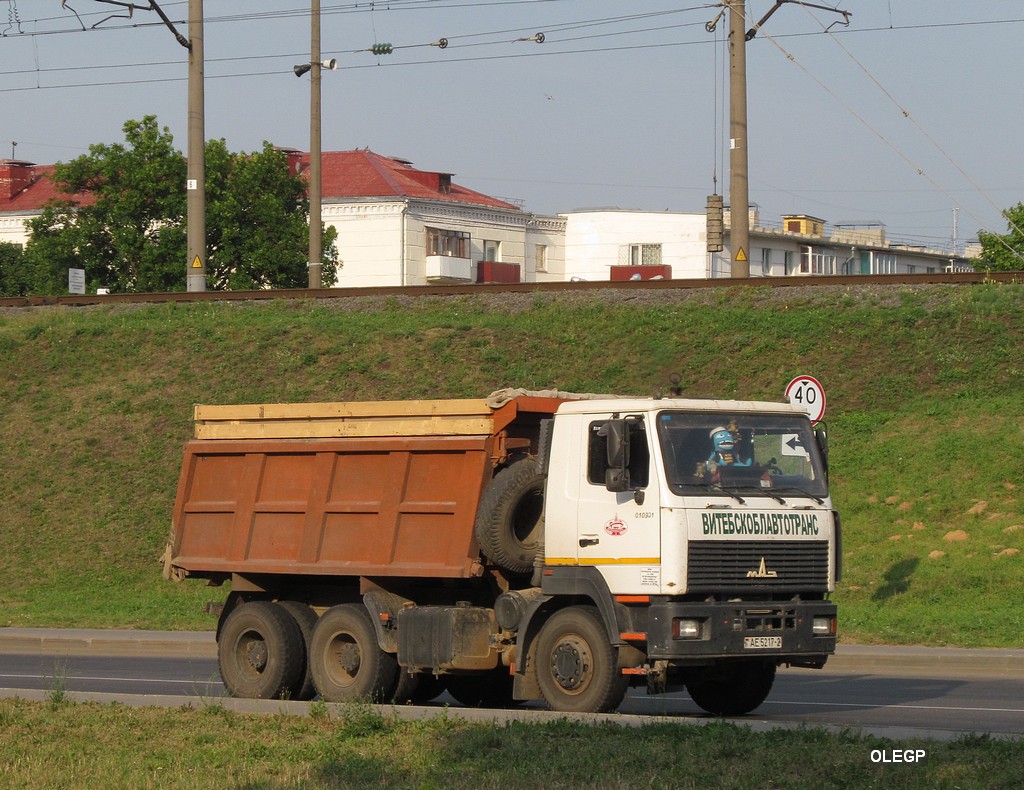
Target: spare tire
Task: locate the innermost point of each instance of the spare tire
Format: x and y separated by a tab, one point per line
510	520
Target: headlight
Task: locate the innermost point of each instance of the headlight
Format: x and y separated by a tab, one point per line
686	629
823	626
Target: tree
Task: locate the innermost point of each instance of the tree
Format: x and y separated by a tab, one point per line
257	226
1001	252
12	273
123	220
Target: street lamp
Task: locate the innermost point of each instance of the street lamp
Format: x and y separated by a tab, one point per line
315	165
302	68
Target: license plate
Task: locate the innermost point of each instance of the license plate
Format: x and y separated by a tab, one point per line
762	642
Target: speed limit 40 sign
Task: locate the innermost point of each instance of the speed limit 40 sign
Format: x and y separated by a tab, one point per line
806	393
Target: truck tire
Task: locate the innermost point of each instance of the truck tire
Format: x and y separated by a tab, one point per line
577	666
260	652
510	521
345	659
731	689
305	618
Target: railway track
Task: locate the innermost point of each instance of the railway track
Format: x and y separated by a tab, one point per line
73	300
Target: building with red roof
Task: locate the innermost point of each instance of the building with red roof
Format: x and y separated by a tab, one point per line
400	225
397	225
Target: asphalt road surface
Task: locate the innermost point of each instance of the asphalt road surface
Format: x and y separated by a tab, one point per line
896	705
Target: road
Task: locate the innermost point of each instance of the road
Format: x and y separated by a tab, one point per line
882	700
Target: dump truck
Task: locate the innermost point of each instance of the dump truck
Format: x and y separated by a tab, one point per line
526	546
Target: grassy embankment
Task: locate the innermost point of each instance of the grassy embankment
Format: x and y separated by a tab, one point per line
926	417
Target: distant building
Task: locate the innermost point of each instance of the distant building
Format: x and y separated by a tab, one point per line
24	189
399	225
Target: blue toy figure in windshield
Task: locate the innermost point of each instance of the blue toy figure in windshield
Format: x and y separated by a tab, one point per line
724	452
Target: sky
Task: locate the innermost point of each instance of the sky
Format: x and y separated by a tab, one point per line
908	115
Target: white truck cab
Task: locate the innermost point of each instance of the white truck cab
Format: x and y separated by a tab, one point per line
704	533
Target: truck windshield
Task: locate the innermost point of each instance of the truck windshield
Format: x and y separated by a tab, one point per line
712	451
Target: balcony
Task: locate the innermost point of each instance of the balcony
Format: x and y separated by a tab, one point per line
448	269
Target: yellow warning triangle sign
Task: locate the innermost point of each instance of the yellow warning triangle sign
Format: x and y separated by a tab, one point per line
741	254
196	263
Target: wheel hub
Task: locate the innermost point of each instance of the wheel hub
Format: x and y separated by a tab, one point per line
568	666
256	654
347	655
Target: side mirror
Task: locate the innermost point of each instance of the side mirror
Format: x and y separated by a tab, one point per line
617	435
616	473
821	438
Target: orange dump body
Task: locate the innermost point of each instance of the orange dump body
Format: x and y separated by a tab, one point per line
343	489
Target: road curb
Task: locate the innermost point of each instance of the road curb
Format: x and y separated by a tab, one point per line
98	642
866	659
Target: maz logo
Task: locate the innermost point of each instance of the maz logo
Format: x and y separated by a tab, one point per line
762	572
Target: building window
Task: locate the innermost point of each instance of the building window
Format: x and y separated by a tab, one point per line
492	250
451	243
640	255
815	262
540	256
885	264
766	262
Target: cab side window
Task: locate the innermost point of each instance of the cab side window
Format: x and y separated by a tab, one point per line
639	454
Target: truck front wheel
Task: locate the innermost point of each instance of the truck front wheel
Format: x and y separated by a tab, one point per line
260	652
577	666
345	660
731	689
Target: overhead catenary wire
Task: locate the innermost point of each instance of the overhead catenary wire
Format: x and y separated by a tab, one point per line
924	132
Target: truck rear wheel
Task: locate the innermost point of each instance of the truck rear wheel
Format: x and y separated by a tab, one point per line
260	652
345	659
577	666
305	618
510	522
731	689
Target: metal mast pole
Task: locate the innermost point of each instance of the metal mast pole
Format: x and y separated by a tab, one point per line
315	161
195	279
739	192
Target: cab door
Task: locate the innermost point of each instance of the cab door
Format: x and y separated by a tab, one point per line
619	531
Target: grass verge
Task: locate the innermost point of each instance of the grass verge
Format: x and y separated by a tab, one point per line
111	746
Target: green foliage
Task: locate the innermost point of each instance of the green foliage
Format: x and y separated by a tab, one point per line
258	233
123	221
924	414
1005	252
14	280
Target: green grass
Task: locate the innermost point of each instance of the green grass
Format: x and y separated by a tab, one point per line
925	413
63	744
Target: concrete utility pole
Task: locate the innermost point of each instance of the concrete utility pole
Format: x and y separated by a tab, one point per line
315	158
739	189
195	279
195	264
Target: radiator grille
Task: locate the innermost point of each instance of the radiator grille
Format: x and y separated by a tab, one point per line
717	565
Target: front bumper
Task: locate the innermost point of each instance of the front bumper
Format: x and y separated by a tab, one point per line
724	628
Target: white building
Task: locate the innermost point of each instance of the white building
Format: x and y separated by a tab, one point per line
398	225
